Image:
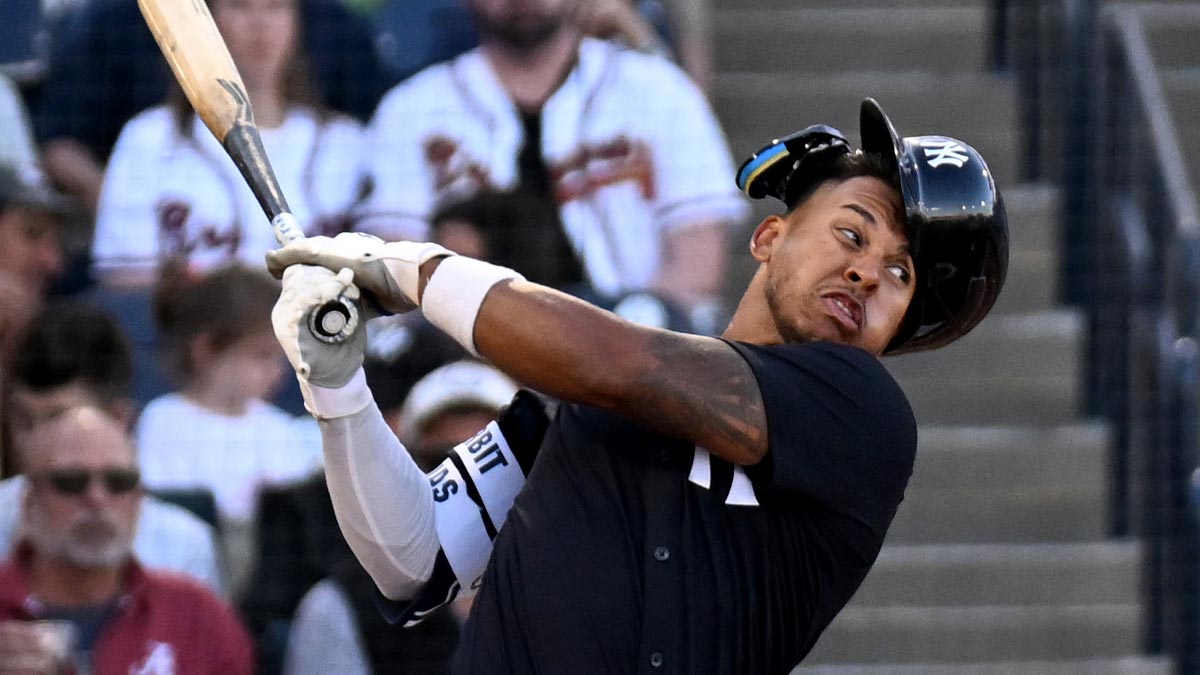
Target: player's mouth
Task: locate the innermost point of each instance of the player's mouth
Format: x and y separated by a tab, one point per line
845	310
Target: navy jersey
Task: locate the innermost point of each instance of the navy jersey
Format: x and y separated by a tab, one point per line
628	551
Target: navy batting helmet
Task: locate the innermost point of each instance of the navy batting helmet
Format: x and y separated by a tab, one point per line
956	225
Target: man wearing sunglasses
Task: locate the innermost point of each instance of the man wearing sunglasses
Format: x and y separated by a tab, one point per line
74	572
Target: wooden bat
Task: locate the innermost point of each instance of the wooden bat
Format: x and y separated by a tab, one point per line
189	39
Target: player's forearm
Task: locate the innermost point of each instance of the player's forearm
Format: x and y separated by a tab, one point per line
382	501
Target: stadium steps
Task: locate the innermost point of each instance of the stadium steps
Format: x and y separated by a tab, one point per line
998	561
1118	666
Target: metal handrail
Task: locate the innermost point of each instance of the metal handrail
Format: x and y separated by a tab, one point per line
1131	261
1167	146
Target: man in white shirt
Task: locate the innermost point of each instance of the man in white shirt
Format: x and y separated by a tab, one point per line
623	143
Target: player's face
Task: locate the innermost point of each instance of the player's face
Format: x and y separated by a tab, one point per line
261	35
522	24
838	267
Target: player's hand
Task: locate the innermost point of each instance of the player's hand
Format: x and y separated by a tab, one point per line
317	363
388	271
27	649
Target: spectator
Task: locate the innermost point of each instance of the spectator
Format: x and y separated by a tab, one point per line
298	539
105	68
217	432
75	355
508	228
170	191
448	406
540	109
31	255
338	628
75	565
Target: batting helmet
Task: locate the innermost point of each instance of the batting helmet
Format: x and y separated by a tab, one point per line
956	225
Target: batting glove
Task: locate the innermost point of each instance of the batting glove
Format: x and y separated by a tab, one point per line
388	271
330	375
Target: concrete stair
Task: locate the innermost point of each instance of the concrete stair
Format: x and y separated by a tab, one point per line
1117	666
998	561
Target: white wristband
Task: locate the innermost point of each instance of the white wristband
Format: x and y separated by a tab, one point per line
325	403
455	292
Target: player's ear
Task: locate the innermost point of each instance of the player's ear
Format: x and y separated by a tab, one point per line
768	232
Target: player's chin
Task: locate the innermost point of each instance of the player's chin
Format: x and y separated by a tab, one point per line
867	341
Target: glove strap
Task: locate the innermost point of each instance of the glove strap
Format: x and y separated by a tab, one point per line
455	292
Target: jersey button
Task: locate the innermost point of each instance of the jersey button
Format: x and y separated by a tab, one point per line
662	553
656	660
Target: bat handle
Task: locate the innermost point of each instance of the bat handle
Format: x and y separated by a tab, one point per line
333	322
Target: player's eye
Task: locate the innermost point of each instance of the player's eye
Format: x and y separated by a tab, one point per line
901	272
851	236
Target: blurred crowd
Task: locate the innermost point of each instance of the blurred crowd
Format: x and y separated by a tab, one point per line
162	508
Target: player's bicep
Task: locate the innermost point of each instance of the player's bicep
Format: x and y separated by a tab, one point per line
702	390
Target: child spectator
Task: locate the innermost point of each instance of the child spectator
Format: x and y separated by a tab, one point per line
217	431
170	190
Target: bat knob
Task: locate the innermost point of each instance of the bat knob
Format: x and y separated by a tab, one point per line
333	322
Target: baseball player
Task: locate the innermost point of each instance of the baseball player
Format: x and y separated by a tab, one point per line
695	504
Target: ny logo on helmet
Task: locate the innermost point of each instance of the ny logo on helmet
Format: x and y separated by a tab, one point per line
945	152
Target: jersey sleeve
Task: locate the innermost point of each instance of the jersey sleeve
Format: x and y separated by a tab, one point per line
692	161
401	187
840	430
126	221
473	490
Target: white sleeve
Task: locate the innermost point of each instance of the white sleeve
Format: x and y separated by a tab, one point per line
339	169
126	222
382	501
324	636
693	166
402	186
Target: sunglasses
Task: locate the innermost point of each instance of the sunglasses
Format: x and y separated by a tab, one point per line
75	482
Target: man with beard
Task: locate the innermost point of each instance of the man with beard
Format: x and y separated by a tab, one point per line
696	505
619	149
74	568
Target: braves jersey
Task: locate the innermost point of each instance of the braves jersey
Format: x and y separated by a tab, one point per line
172	194
633	149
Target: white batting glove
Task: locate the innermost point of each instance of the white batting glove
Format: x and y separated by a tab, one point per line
330	375
389	271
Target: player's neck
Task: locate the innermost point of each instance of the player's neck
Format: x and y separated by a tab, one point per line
531	76
752	321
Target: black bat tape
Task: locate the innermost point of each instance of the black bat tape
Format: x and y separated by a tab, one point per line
334	321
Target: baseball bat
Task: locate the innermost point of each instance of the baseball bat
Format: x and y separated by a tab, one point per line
189	39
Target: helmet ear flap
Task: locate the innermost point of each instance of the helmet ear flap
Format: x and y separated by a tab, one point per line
786	168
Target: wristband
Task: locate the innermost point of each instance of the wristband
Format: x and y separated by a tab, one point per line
455	292
327	403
